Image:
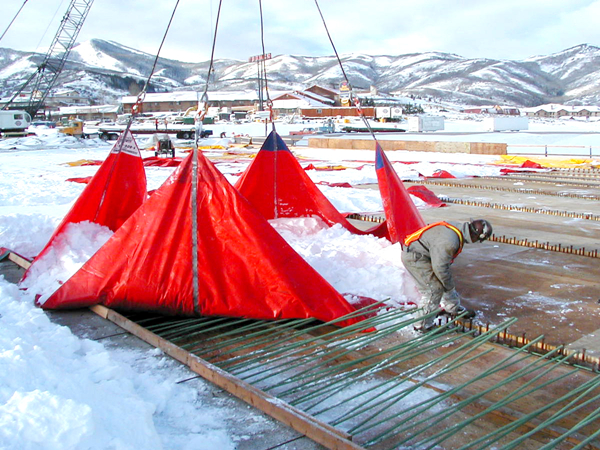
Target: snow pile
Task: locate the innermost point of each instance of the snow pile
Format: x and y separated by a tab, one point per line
354	264
49	139
26	232
59	392
68	252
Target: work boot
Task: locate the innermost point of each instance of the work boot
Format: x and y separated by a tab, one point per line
424	328
468	313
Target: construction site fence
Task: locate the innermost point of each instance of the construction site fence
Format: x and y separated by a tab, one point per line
587	151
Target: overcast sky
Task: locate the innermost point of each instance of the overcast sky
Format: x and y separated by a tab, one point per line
498	29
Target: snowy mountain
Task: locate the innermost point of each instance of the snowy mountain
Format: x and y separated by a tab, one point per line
104	71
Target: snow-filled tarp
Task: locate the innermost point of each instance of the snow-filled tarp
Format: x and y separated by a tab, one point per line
278	187
244	267
116	190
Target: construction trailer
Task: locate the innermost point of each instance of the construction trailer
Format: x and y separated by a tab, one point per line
14	122
425	123
506	123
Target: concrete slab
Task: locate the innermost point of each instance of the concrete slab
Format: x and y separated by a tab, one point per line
11	272
552	294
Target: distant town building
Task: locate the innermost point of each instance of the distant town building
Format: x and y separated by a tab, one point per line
291	102
314	97
99	112
181	101
556	111
338	111
506	110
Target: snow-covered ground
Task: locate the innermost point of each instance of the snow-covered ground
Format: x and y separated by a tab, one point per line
58	391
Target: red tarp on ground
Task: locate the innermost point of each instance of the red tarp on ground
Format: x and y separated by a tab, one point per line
116	190
441	174
531	165
154	161
82	180
244	267
426	195
277	186
402	216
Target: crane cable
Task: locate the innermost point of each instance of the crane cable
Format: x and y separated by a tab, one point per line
270	107
194	188
135	109
264	65
14	18
140	99
353	99
203	101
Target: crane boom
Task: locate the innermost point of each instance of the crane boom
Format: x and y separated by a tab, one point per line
43	80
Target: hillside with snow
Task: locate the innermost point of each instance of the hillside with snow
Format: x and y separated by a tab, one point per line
104	71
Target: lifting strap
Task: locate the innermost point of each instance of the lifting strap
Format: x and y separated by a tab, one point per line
417	235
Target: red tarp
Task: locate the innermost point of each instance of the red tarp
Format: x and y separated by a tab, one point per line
82	180
441	174
154	161
402	216
531	165
117	189
426	195
244	267
277	186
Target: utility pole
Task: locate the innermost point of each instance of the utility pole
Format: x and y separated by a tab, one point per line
260	59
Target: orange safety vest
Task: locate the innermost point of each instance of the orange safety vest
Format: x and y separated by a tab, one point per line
417	235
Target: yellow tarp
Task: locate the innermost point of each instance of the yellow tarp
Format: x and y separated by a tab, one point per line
546	162
81	162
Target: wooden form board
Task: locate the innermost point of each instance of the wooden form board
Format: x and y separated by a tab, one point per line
481	148
19	260
309	426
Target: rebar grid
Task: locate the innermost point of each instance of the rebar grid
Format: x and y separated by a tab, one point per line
308	363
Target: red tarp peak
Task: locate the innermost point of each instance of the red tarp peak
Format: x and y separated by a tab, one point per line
116	190
402	216
277	186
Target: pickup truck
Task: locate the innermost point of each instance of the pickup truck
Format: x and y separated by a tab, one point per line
304	131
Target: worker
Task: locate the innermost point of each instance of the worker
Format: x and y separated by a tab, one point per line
428	254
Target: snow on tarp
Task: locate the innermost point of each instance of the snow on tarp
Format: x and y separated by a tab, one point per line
402	216
116	190
244	267
277	186
68	252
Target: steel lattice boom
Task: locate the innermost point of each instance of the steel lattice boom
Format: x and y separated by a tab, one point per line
43	80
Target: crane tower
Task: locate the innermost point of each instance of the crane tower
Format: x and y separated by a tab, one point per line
44	78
